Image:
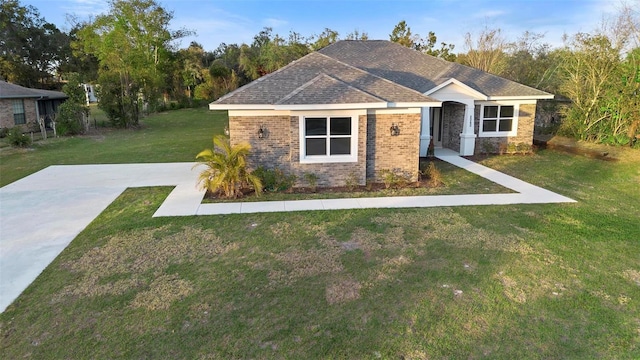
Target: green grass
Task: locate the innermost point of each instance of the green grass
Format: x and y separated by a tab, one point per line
172	136
497	282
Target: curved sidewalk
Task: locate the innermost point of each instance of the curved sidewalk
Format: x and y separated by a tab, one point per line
43	212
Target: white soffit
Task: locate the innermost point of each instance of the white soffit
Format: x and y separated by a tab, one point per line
453	89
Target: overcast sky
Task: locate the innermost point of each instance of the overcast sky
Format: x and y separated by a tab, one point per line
237	21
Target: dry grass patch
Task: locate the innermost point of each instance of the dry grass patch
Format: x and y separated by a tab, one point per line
125	262
163	291
632	275
296	264
452	229
342	290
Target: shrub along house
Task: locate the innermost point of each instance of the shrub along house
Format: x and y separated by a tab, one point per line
21	106
356	108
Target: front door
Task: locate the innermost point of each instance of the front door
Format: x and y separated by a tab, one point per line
436	126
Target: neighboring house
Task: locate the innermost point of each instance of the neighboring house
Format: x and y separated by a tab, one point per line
356	108
90	93
21	106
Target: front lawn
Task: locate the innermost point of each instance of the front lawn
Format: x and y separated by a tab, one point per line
172	136
498	282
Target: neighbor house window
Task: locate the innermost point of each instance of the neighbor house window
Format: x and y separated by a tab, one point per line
498	120
328	139
19	117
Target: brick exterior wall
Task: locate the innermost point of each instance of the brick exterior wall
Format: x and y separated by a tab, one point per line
453	118
377	149
330	174
526	124
280	148
273	150
6	114
397	153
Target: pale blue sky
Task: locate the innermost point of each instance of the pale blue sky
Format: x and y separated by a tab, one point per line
237	21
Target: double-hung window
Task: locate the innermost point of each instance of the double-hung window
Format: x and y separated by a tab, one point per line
19	116
328	139
499	120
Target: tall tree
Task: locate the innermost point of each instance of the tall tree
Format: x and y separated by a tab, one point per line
270	52
132	43
192	59
31	49
486	51
326	38
531	62
445	51
602	88
357	35
402	35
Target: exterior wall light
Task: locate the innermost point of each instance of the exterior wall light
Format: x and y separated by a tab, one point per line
226	130
261	132
395	129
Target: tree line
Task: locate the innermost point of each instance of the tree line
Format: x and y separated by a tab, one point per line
130	53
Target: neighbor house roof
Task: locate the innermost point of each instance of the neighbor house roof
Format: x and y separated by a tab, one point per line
13	91
319	79
421	72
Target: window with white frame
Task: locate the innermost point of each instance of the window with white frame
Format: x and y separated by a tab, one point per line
499	120
19	117
328	139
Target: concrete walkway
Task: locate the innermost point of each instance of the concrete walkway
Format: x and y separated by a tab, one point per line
43	212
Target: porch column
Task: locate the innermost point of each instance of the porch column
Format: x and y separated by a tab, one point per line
425	131
467	137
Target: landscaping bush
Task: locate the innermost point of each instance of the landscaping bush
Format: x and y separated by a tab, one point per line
69	118
351	182
432	175
17	138
393	179
312	181
3	132
274	179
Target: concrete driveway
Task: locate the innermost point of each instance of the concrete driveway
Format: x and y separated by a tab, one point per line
43	212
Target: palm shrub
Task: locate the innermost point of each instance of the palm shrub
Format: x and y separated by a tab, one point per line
226	168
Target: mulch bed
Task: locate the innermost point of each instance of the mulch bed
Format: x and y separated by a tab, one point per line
370	188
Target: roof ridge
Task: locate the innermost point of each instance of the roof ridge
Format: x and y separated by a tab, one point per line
357	88
301	87
448	67
455	64
376	76
325	75
262	78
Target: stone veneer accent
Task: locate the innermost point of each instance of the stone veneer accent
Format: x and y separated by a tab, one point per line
6	113
452	121
526	124
397	153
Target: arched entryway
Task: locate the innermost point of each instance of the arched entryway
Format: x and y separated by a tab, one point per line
449	126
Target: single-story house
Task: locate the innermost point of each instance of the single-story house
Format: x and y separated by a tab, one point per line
356	108
21	106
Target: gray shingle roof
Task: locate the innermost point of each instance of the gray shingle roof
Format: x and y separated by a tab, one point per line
320	79
13	91
418	71
324	89
360	72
